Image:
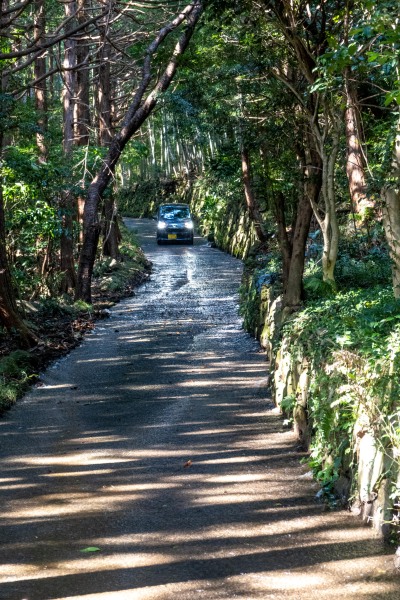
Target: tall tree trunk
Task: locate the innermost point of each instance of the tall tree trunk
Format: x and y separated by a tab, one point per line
67	202
136	115
41	85
111	234
103	92
355	163
391	214
284	241
326	215
312	165
253	208
82	102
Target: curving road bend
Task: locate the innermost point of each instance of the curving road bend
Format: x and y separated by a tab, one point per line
151	464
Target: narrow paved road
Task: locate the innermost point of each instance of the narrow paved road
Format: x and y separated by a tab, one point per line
155	445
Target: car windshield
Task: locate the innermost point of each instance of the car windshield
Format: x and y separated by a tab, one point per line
175	212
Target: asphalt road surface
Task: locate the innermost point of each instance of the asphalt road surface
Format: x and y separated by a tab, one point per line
151	464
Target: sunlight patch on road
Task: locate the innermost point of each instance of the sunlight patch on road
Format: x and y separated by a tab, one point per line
56	505
236	478
95	563
18	486
281	581
81	458
209	431
84	473
142	487
102	359
231	459
98	437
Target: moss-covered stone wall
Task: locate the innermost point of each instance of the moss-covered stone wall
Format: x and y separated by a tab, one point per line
334	376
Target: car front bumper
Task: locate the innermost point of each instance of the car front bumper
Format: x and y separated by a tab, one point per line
175	235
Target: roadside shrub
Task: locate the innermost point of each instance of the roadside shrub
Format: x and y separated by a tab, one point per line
352	345
116	275
16	370
15	365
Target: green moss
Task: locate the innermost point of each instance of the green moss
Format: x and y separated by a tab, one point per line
114	276
16	370
352	344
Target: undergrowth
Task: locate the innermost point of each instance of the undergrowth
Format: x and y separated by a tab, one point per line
116	276
16	370
352	344
349	342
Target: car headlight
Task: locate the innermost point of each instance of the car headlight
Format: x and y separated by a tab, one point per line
161	225
189	224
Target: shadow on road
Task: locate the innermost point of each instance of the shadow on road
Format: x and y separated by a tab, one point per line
155	444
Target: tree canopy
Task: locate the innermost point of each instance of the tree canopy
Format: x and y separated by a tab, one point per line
287	111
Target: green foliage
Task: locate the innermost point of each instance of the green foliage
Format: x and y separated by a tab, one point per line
352	345
54	307
143	199
15	364
287	405
116	276
363	261
259	271
250	304
15	372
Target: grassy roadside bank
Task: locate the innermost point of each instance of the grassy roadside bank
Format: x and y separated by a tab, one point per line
335	367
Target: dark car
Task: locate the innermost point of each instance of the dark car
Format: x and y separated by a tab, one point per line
174	224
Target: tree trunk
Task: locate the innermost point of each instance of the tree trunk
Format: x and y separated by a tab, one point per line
40	86
391	215
82	102
67	204
136	115
284	241
329	225
104	112
112	235
254	211
103	93
67	210
355	163
293	293
327	219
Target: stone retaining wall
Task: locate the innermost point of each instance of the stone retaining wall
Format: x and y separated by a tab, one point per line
369	473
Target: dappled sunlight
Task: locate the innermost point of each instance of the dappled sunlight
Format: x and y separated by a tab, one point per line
18	486
236	478
96	563
82	458
53	505
159	470
91	438
209	431
228	460
84	473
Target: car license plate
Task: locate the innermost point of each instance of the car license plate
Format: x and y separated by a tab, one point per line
172	236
